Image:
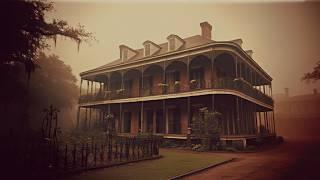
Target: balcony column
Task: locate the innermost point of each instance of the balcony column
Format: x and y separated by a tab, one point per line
164	88
165	119
188	72
188	111
154	122
89	125
236	66
233	121
91	92
141	91
255	123
259	122
122	83
78	117
238	115
265	121
120	119
80	86
86	119
141	118
274	123
88	87
212	69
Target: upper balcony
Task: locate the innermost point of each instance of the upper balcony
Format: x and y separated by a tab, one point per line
201	72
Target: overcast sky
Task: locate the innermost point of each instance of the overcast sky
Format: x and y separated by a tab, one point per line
283	36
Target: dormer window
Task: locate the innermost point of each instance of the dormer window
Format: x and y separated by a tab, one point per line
175	42
150	48
147	50
126	53
171	44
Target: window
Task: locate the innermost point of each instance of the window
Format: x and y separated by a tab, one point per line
171	44
127	122
147	50
124	54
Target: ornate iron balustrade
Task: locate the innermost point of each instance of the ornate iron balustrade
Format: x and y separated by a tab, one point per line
223	83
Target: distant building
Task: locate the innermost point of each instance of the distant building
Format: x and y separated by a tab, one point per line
160	87
300	106
298	116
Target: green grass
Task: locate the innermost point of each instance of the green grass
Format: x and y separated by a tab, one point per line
173	163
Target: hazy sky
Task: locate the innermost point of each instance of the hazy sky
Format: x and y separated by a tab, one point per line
283	36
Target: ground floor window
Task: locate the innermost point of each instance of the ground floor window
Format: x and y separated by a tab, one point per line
127	122
160	122
174	121
149	120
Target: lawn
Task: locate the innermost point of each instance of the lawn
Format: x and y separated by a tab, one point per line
173	163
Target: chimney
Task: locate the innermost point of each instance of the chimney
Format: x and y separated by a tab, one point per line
286	91
206	30
315	91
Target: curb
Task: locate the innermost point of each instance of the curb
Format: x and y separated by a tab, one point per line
202	169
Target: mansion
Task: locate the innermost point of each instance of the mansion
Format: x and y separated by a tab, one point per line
160	87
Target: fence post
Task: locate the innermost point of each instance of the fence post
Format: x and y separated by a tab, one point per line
95	154
66	157
87	153
102	153
74	155
110	148
82	155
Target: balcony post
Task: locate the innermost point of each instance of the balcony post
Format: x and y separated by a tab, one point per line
237	113
212	68
89	125
164	78
120	119
274	122
233	121
86	119
81	85
259	122
188	111
78	117
236	66
142	121
164	115
142	85
188	72
88	87
91	88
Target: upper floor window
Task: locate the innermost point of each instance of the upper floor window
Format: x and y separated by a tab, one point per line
171	44
147	50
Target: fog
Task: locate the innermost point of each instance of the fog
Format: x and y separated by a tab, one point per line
283	36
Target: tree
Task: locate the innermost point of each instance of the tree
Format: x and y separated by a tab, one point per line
23	35
52	84
206	125
314	75
24	31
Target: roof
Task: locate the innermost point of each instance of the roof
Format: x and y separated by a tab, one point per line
190	42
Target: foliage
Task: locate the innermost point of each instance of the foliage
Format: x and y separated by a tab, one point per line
207	126
314	75
52	83
24	31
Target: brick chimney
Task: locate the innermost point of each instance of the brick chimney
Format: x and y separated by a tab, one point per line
206	30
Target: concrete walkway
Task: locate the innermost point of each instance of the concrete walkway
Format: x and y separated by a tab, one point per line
291	160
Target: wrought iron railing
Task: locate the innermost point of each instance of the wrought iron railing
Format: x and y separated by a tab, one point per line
237	84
